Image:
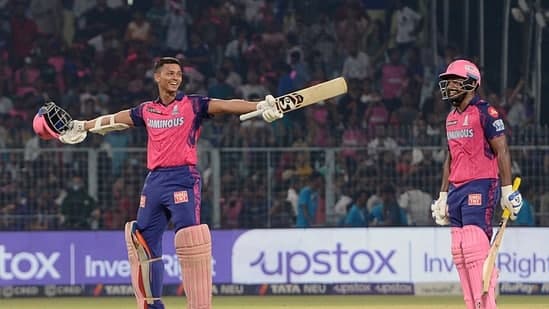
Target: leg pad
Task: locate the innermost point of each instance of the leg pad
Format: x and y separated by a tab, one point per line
193	246
459	261
139	256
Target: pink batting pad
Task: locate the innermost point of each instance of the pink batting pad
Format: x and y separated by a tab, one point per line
475	246
193	246
459	261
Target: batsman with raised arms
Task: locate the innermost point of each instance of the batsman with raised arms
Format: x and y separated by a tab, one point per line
478	159
172	187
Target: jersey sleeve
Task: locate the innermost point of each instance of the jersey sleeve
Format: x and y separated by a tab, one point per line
491	121
200	105
136	113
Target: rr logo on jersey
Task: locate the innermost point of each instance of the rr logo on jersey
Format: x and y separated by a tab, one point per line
180	197
142	201
493	112
475	199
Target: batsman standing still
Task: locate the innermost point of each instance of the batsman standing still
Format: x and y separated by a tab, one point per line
477	154
172	188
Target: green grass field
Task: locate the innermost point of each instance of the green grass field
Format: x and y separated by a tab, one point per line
272	302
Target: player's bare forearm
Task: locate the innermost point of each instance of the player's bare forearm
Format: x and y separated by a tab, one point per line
120	117
234	106
500	147
445	174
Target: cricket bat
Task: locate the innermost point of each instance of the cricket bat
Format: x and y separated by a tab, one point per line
305	97
490	262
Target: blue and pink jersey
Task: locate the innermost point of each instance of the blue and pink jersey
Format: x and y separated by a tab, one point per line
468	134
173	130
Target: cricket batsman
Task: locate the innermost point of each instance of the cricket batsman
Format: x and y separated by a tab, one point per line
478	159
171	191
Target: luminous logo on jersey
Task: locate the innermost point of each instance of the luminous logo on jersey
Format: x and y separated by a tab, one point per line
165	123
463	133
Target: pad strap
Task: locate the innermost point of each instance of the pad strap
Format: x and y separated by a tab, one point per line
100	128
140	258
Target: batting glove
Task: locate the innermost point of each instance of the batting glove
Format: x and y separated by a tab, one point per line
439	209
511	200
269	110
75	134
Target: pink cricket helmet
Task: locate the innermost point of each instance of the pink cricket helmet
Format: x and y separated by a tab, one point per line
462	68
50	121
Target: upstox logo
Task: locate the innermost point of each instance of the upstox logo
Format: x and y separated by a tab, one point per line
27	265
314	256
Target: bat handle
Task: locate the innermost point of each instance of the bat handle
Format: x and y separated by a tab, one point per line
250	115
516	184
506	214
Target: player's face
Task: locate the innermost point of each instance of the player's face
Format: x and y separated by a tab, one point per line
454	87
169	77
452	90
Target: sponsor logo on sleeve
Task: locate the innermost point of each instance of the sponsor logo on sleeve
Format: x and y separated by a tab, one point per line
180	197
498	124
142	201
475	199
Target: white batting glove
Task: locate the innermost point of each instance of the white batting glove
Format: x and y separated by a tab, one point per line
269	110
75	134
439	209
511	200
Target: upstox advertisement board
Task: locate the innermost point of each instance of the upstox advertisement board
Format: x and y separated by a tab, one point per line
407	255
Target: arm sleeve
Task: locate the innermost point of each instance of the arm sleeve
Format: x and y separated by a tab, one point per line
136	113
492	123
200	105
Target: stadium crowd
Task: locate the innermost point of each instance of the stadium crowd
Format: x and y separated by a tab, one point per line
95	57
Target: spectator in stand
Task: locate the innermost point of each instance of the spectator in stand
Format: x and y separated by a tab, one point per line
138	29
48	16
357	215
357	64
388	212
24	33
393	76
406	24
77	206
98	20
308	202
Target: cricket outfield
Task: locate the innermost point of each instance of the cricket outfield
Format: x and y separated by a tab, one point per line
272	302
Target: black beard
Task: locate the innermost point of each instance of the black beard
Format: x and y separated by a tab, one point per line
456	101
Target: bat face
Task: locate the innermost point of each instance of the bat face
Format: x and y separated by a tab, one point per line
305	97
289	102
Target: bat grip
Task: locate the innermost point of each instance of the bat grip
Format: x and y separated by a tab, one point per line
506	214
250	115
